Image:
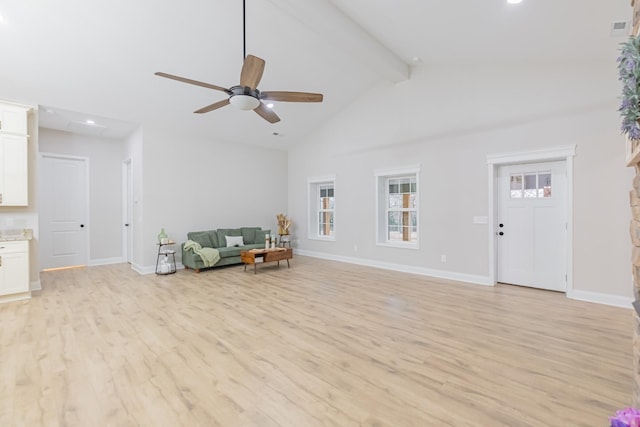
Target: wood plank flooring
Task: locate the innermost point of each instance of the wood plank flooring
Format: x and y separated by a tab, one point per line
318	344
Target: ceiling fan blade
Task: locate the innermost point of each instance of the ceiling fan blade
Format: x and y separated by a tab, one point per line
193	82
213	106
291	96
267	113
252	70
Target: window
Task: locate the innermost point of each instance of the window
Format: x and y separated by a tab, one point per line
530	185
325	210
397	192
322	208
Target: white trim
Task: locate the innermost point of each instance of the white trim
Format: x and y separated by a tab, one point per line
320	179
15	297
598	298
399	245
569	213
127	208
105	261
152	268
143	270
389	172
35	285
539	155
440	274
323	238
562	153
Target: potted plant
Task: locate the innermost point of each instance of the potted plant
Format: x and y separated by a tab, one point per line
629	75
629	417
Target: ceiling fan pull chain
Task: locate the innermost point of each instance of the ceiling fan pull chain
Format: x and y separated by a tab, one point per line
244	31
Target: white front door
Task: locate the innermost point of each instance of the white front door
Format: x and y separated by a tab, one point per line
531	231
63	213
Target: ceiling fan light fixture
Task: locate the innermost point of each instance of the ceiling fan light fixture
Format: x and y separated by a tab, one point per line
244	102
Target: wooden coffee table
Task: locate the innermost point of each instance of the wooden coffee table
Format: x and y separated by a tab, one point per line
257	256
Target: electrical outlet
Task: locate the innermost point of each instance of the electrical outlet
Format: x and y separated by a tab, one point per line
443	258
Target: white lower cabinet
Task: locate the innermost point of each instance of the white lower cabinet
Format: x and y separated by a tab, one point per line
14	270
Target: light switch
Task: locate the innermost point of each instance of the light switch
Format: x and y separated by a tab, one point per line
480	220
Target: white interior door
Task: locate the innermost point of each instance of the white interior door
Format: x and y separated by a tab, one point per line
531	232
64	229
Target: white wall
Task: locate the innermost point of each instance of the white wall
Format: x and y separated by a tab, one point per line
448	119
105	187
191	183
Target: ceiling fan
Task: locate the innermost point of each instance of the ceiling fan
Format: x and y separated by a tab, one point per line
246	95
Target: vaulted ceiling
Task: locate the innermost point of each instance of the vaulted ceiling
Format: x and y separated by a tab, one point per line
96	58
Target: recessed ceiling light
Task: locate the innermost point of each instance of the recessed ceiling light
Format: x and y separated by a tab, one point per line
90	122
514	1
270	105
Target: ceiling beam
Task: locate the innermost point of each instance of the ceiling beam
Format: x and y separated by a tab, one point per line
325	19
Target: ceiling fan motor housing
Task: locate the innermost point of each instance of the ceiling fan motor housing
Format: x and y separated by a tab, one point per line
244	98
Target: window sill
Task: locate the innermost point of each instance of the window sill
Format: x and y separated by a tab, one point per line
398	245
325	239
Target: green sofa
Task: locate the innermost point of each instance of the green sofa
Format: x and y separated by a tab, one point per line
253	238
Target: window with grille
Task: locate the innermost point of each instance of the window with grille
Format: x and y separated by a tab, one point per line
322	207
397	192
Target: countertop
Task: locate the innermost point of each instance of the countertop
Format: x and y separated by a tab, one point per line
16	234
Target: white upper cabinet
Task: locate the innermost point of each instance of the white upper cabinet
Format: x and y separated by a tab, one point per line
13	118
14	155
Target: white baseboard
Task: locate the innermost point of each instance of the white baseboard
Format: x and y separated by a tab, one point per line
105	261
140	269
35	285
598	298
449	275
151	269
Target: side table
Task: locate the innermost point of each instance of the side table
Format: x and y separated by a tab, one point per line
168	264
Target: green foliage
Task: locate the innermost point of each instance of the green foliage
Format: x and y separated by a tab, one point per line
629	75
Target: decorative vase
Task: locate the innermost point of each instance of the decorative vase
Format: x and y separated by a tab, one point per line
162	237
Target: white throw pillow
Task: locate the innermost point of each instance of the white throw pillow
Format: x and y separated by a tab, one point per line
234	241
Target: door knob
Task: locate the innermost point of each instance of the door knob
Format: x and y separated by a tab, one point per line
81	225
126	225
500	225
501	234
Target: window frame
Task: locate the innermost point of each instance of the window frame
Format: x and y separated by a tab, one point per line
382	177
315	209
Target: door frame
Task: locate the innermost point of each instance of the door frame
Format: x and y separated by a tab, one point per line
564	153
87	204
127	210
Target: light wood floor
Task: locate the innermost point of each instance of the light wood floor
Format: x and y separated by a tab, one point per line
319	344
